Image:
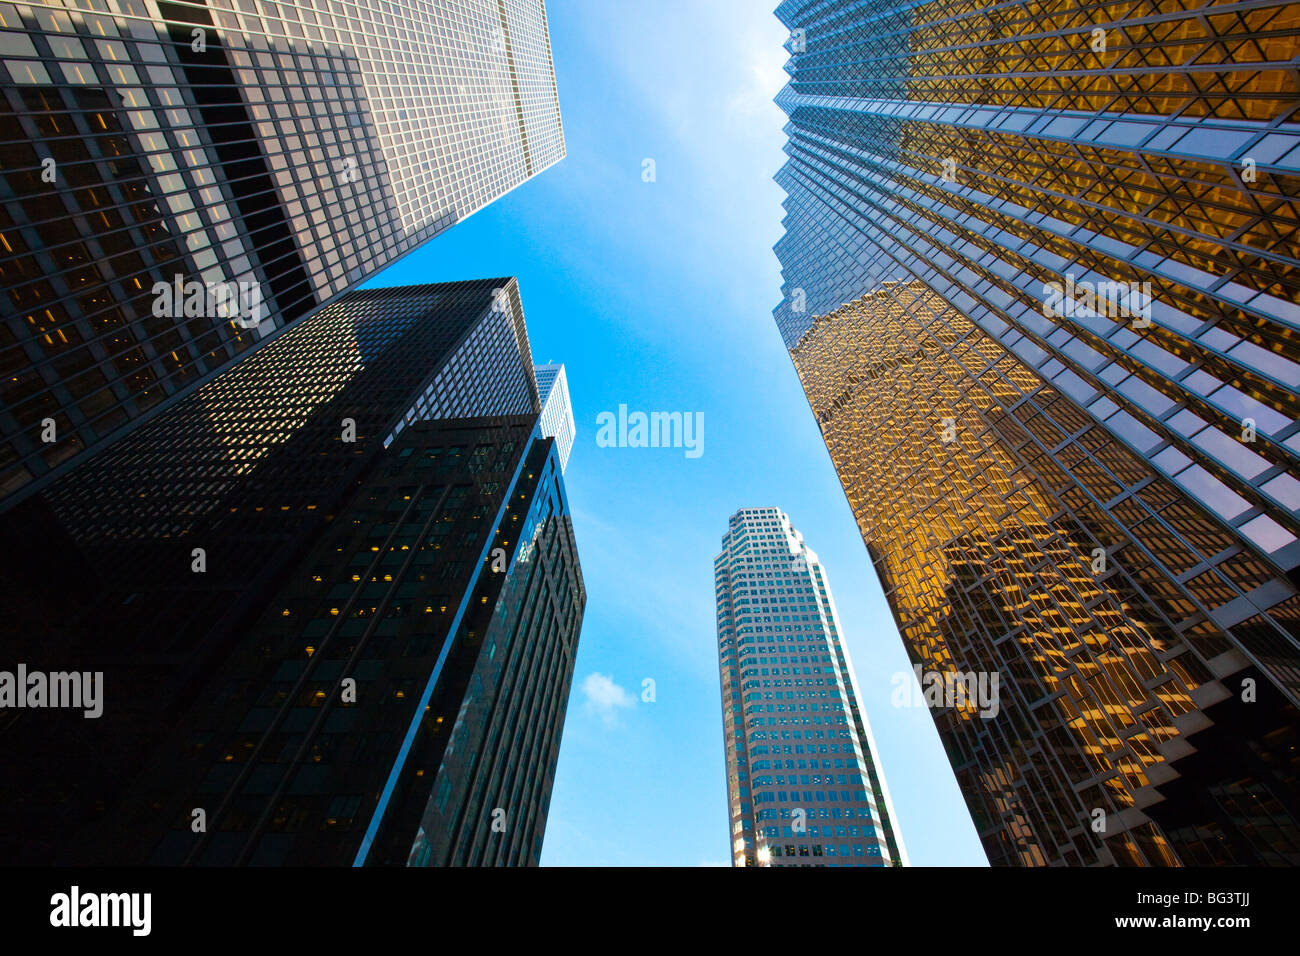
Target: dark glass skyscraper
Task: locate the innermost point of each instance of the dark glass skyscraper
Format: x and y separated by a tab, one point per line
334	596
180	180
1040	277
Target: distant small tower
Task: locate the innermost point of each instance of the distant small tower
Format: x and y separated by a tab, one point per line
557	411
802	781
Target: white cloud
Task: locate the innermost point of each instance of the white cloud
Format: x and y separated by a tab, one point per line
605	698
704	74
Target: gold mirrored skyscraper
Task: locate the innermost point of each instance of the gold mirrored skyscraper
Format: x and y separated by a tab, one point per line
1040	274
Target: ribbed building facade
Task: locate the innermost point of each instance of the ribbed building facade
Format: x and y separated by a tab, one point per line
1039	285
803	787
180	180
335	597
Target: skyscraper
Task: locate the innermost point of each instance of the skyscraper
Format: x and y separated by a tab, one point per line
803	787
334	597
1039	275
179	181
557	411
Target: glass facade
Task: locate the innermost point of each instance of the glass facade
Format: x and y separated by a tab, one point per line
270	155
1039	285
306	585
492	791
803	787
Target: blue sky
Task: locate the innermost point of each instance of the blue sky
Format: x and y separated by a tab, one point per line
658	295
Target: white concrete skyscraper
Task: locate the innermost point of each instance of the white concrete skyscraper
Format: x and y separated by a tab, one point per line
802	783
557	411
